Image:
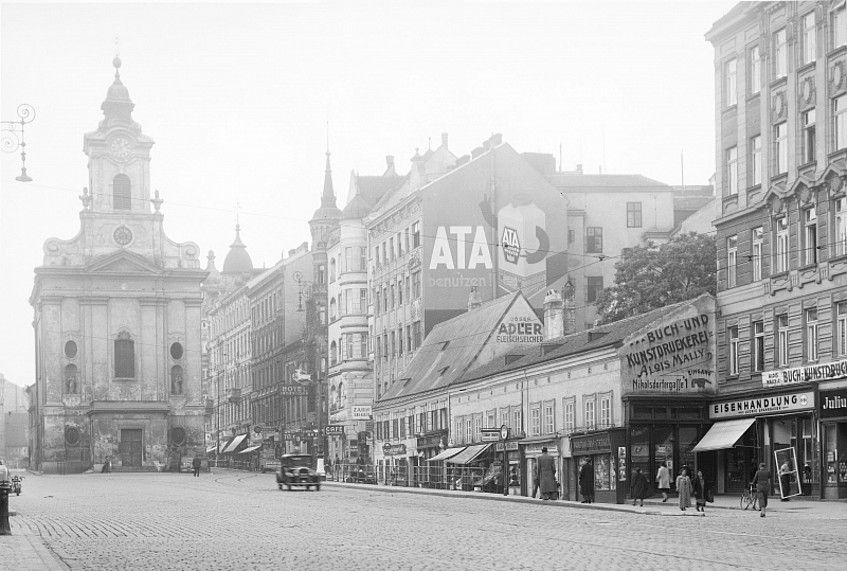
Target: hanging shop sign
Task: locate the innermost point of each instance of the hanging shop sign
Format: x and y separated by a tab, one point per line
790	402
362	412
672	357
833	404
394	449
293	390
334	429
821	372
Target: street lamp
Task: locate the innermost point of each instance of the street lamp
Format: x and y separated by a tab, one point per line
10	140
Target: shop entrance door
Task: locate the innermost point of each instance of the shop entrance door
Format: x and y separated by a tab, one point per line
130	448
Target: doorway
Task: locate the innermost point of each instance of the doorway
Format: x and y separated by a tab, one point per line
130	448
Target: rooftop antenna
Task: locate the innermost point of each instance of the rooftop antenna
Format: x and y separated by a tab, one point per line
560	156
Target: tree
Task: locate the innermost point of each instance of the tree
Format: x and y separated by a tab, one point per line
650	277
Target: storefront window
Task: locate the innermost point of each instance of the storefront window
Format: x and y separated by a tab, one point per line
663	448
810	462
604	472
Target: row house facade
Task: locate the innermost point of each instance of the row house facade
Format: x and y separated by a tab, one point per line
622	396
781	150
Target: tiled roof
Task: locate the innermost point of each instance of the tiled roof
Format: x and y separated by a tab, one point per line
450	349
609	335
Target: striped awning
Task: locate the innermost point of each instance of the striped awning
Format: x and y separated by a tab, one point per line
449	453
234	444
469	454
250	449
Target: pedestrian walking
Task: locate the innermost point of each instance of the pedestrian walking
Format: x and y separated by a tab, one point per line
700	488
663	479
640	487
683	488
762	481
546	472
586	481
196	463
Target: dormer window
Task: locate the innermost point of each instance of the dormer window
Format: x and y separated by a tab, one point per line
121	193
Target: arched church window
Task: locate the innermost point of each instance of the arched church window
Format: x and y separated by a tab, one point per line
176	380
124	356
71	377
121	193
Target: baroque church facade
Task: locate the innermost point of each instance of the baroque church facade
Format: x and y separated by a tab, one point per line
117	318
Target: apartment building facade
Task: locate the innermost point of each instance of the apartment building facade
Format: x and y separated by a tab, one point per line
781	151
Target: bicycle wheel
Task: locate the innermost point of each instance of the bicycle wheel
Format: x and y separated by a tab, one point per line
755	503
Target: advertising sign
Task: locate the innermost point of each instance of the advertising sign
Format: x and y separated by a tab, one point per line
789	476
334	429
293	390
673	356
394	449
821	372
496	224
833	404
763	405
362	412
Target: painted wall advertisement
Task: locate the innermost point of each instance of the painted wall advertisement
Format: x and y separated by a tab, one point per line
495	219
673	356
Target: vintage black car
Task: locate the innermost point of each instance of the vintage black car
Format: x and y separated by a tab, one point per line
297	470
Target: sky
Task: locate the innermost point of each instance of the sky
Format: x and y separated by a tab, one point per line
242	100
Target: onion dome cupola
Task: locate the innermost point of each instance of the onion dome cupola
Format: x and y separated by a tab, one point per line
238	261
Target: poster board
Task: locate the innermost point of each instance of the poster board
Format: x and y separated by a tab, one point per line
788	476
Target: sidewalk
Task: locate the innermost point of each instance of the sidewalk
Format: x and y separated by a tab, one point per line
26	553
652	506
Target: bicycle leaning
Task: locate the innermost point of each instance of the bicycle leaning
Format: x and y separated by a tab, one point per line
749	497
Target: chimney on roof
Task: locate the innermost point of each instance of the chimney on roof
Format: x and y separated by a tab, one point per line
496	139
554	315
474	298
444	140
389	161
579	168
291	252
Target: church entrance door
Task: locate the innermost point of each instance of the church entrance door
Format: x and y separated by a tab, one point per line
130	447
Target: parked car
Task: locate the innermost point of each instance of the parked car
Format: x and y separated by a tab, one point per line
298	470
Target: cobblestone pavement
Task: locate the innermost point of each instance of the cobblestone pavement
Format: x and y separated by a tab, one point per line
235	520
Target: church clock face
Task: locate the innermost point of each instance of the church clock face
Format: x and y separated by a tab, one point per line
122	235
120	147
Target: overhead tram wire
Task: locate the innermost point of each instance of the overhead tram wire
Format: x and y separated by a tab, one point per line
601	257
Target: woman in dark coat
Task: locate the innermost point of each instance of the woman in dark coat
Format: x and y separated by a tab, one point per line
700	489
640	487
586	481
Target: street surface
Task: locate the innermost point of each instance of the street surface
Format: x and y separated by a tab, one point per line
232	520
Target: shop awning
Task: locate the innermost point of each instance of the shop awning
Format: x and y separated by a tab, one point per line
469	454
223	446
211	449
234	444
449	453
724	434
250	449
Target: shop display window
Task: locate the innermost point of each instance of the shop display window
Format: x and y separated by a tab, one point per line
836	455
810	460
604	472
